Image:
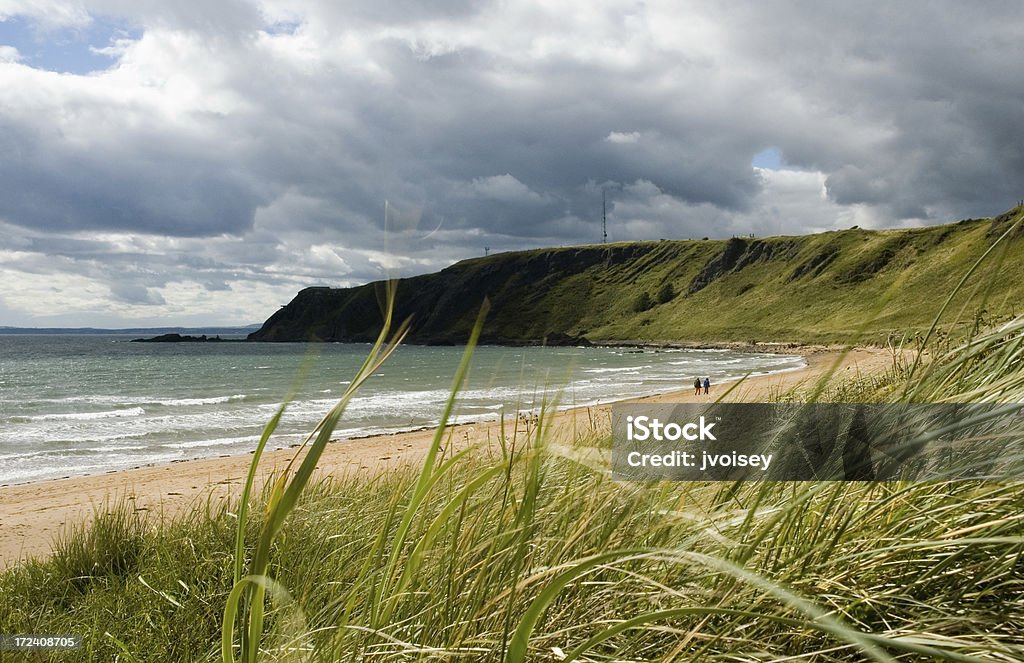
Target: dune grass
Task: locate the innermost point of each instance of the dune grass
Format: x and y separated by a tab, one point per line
529	551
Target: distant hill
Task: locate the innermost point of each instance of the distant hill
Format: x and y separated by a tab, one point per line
210	331
829	287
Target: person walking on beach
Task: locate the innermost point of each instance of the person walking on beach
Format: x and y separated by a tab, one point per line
707	385
696	386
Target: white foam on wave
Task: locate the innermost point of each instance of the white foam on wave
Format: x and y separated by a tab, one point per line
216	442
617	369
98	398
68	453
213	400
86	416
123	399
108	449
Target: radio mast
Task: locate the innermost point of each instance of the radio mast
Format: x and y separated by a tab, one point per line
604	218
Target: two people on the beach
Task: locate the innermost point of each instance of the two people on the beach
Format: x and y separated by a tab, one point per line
697	386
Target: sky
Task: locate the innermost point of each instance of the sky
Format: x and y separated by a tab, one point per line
199	162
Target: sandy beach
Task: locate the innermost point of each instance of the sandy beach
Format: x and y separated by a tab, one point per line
33	515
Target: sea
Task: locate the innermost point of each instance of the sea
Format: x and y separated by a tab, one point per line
77	404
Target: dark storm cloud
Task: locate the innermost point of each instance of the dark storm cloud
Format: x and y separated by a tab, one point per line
133	293
143	183
395	11
442	123
905	121
931	89
257	142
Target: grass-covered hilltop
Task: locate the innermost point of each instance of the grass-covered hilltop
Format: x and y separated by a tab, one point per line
827	287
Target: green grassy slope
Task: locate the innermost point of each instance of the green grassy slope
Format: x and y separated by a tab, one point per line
833	286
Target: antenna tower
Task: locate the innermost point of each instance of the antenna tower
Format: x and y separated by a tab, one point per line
604	218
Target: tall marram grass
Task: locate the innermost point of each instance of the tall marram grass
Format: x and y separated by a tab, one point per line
528	551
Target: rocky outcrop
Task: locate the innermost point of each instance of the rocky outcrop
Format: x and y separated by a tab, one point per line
737	255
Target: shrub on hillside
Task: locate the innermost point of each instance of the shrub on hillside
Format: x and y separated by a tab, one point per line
666	293
643	302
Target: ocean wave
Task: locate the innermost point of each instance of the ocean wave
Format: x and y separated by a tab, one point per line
108	449
216	442
122	400
213	400
187	416
87	416
68	452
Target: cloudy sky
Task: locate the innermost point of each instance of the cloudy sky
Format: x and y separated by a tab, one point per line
196	162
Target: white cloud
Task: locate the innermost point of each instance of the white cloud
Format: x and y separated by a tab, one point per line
48	14
621	137
503	188
9	54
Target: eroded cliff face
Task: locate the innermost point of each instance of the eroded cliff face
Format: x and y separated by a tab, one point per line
821	287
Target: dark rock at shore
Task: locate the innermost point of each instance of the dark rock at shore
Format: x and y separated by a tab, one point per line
178	338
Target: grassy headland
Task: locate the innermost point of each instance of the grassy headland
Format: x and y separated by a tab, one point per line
831	287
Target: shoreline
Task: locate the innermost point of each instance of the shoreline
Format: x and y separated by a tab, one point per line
761	347
402	431
33	515
781	349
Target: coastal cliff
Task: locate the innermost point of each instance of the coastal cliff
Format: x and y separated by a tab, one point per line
828	287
